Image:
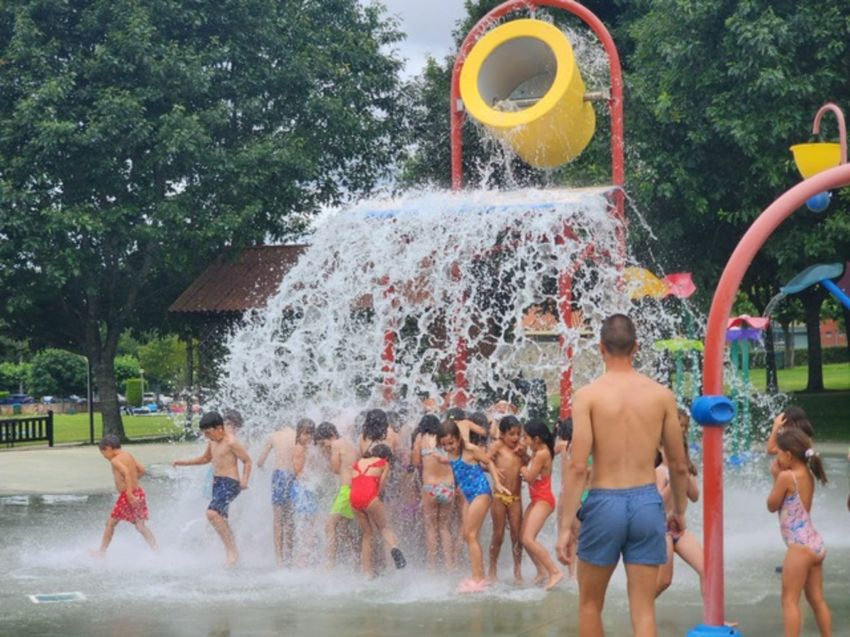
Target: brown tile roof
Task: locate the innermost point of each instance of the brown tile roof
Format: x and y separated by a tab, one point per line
234	285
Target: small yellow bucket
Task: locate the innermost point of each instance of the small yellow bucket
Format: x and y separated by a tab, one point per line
816	157
521	81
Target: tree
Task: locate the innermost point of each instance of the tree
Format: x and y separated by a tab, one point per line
163	360
57	372
140	138
14	377
126	367
719	91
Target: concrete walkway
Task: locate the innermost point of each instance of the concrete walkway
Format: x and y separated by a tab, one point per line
72	470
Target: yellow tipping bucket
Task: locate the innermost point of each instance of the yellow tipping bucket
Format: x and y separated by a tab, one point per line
816	157
521	81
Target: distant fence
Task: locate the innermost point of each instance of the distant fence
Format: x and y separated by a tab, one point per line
28	429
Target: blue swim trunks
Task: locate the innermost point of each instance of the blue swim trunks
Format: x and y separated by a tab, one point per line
304	499
282	484
287	491
224	491
630	522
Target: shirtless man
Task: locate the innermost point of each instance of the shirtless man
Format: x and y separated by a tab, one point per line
621	418
283	479
224	452
131	505
342	456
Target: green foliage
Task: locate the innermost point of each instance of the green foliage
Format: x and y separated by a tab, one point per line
133	391
139	138
57	372
163	360
713	141
13	375
126	367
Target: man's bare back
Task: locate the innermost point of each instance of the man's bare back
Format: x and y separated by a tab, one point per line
627	413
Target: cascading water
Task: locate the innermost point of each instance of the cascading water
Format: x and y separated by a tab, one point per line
433	268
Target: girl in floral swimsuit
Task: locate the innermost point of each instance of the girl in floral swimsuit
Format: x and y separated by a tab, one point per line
792	494
438	491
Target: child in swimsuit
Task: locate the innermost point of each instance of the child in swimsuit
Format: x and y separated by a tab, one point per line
369	476
686	545
538	475
470	478
792	495
509	456
438	491
225	453
131	505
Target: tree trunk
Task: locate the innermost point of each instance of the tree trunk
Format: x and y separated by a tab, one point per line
770	362
103	365
812	301
788	338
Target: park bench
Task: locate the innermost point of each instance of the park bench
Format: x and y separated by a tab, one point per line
28	429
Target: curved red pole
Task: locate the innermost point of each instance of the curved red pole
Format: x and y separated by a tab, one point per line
721	307
842	127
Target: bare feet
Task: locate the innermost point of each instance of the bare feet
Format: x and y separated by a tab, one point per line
97	552
232	557
553	580
539	579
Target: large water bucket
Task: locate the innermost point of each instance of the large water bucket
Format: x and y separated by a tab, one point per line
521	81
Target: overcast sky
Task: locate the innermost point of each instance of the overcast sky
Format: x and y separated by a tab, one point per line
428	25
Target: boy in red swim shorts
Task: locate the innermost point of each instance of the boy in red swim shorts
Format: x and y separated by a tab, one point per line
131	505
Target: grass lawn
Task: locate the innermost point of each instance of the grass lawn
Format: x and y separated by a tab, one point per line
835	376
75	428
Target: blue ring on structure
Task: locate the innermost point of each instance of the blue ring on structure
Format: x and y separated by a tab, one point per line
713	411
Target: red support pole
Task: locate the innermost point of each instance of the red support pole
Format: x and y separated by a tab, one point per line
388	356
715	339
565	297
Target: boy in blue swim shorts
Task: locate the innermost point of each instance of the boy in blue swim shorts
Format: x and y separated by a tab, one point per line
225	452
620	419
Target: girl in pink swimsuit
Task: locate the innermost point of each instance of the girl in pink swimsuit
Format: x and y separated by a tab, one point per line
792	494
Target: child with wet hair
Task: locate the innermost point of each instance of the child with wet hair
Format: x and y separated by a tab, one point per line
369	476
792	417
509	455
792	495
470	478
685	544
438	491
131	505
538	475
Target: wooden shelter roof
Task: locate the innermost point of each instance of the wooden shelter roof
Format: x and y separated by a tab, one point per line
234	284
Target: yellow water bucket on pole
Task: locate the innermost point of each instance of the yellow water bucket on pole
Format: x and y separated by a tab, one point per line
521	82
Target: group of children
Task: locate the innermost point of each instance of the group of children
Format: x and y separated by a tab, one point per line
452	472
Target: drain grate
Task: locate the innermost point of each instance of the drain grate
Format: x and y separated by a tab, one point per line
57	598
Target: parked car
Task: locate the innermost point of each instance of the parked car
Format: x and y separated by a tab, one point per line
73	398
148	397
17	399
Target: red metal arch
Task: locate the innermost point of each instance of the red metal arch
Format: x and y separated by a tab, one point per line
721	307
